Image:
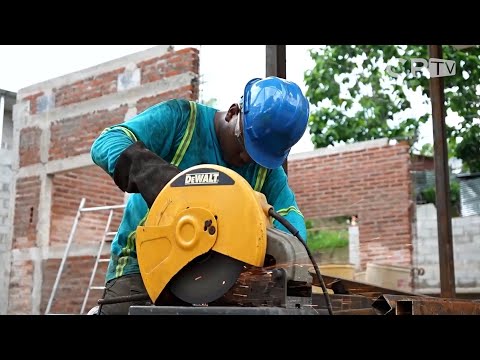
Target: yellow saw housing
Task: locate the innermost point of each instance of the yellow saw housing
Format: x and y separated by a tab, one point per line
205	207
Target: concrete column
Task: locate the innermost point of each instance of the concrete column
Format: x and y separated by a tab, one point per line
2	111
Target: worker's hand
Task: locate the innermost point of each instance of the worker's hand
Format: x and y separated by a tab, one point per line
139	170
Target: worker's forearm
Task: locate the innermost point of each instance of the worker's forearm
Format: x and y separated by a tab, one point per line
140	170
107	148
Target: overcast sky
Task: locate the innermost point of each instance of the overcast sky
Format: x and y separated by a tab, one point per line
224	69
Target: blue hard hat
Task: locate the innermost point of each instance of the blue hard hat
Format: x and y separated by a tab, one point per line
275	118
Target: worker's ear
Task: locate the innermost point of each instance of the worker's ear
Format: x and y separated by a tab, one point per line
232	111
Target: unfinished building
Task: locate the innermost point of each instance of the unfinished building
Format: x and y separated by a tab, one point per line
55	123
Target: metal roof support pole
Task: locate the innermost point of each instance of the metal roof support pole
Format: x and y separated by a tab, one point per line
276	65
442	182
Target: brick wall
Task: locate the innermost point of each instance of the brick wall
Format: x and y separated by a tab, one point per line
89	88
73	285
186	92
55	123
69	187
370	180
422	163
74	136
30	146
26	212
21	284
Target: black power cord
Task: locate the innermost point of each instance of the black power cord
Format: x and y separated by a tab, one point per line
296	233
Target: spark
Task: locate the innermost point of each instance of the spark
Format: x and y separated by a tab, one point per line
223	282
198	278
240	295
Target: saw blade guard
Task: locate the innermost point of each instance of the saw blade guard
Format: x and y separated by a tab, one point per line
203	208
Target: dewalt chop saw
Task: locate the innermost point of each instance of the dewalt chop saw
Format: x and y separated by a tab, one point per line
208	239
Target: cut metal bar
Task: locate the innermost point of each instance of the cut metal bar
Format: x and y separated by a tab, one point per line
103	208
442	184
366	311
97	287
345	286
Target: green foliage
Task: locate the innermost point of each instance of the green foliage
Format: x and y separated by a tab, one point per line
468	148
325	239
356	99
428	195
427	150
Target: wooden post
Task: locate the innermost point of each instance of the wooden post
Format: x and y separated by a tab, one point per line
276	65
442	182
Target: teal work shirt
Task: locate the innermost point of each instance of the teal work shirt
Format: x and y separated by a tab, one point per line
181	132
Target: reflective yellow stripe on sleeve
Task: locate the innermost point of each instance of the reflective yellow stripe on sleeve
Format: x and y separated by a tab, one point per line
261	176
284	212
130	134
127	250
187	137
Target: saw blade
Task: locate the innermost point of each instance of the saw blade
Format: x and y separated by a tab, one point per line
206	278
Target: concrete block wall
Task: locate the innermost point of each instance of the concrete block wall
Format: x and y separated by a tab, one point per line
369	179
466	252
55	123
5	183
5	223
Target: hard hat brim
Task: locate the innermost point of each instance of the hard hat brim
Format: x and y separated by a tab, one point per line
260	156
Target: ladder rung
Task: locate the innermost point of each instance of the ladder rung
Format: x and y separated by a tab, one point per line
97	287
111	233
103	260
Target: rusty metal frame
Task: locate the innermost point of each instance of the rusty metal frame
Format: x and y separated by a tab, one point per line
350	287
388	304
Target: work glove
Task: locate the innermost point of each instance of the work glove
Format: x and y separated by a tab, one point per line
139	170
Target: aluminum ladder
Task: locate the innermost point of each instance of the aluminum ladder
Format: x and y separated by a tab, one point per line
98	258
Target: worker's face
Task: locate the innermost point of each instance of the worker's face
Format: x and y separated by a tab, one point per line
235	153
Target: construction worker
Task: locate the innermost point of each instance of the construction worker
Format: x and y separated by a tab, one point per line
143	154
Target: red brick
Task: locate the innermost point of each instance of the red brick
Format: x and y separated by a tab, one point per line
21	283
33	101
26	212
86	89
69	188
73	285
371	183
170	64
185	92
29	151
74	136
